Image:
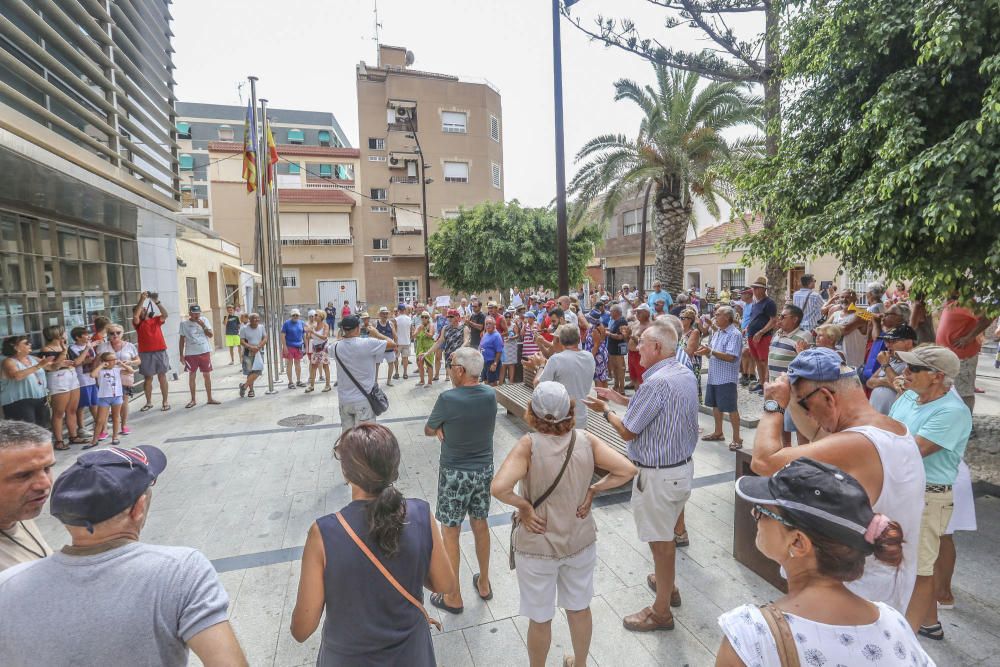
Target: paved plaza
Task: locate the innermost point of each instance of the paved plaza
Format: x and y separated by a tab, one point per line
244	490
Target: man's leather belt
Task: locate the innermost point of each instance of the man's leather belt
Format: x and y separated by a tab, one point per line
669	465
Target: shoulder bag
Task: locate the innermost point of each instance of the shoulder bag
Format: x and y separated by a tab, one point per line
376	397
788	654
515	521
385	573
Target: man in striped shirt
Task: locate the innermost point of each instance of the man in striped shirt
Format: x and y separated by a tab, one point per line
723	352
809	302
661	429
783	350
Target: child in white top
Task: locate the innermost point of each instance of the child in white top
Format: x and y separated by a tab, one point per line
108	376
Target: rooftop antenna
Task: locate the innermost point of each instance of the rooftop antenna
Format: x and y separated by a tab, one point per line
239	90
377	27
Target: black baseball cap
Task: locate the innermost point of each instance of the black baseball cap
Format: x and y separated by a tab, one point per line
194	309
350	323
817	497
104	483
902	332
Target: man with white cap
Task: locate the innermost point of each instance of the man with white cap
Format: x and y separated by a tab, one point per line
293	340
940	423
829	405
108	598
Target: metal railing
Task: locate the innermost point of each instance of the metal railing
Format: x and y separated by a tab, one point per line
312	240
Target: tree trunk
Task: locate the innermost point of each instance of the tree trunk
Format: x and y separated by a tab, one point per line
774	272
670	234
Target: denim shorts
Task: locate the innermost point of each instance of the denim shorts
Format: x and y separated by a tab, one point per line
109	401
462	492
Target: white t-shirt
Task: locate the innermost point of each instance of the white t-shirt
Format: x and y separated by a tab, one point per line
109	382
252	335
887	642
126	354
571	317
195	340
359	355
403	325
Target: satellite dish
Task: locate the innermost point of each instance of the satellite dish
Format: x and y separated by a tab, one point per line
410	58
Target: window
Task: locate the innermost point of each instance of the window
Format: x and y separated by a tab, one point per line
649	276
183	130
454	121
192	291
380	209
632	222
289	278
186	162
378	194
380	258
324	137
860	286
495	129
406	291
326	171
344	172
380	244
495	174
376	144
376	158
730	278
294	168
225	133
296	137
456	172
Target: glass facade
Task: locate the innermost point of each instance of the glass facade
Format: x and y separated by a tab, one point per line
59	273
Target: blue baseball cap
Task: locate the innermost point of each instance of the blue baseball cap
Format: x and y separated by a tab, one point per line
104	483
819	364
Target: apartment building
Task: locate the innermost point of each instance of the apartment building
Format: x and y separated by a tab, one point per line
90	189
457	124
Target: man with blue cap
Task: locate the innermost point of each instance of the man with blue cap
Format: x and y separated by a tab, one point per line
828	404
107	598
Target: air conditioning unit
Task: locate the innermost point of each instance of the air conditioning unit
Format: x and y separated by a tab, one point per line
394	160
403	113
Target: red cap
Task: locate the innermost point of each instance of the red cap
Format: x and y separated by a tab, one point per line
452	312
550	303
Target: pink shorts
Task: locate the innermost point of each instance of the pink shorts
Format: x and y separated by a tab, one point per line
292	353
198	362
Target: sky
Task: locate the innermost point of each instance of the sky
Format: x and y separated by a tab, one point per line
305	54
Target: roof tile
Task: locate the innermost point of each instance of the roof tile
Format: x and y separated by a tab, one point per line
728	230
315	196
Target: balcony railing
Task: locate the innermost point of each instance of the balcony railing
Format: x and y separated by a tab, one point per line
312	240
404	179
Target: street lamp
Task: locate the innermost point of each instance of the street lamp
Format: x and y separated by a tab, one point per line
423	206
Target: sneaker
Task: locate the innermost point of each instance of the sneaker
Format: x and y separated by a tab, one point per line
125	430
103	436
744	380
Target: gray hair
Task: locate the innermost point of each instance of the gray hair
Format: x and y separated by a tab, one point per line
727	311
616	307
468	358
676	323
903	309
665	333
878	289
569	335
17	434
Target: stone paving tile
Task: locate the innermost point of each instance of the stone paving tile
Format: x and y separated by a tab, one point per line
451	650
496	644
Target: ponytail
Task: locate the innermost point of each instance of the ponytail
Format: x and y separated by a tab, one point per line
386	515
889	545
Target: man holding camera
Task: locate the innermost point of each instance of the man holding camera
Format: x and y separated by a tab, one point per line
154	360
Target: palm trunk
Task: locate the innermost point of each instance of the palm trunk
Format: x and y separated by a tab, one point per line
774	272
670	234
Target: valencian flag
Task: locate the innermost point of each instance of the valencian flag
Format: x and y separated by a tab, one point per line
250	149
272	152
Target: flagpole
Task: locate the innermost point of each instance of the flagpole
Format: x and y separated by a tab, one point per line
274	250
266	278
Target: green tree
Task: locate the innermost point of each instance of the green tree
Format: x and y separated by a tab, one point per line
891	157
679	150
498	246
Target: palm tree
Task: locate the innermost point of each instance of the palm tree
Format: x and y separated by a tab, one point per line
679	153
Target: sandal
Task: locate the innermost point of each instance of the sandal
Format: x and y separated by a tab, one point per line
682	539
166	406
78	440
475	584
60	445
145	408
90	445
713	437
648	620
309	389
438	601
733	446
935	632
116	443
327	388
191	404
250	394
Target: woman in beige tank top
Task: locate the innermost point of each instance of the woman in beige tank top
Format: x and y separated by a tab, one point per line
555	543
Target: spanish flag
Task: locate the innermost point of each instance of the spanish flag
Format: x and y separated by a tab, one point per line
250	149
272	153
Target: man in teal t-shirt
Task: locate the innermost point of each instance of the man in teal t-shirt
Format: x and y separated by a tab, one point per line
941	423
463	419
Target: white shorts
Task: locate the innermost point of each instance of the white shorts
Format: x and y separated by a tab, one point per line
403	351
964	516
62	381
354	414
540	580
965	381
658	497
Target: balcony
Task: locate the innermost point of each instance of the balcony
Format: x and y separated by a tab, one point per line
317	250
405	190
407	243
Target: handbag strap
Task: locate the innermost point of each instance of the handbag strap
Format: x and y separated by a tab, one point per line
788	654
385	573
548	492
349	374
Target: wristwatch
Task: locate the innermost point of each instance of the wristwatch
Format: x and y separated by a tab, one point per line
607	416
771	405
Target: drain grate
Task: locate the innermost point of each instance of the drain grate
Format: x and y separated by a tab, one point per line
300	420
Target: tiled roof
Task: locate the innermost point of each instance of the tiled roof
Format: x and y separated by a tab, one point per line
726	231
314	196
288	149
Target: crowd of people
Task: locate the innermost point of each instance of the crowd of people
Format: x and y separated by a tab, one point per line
859	512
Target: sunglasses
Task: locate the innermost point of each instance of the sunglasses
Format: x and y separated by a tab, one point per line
113	333
757	511
805	399
920	369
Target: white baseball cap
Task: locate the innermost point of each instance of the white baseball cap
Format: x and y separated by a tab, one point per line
295	311
550	402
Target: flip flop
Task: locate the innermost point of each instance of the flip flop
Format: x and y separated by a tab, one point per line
438	601
713	438
60	446
475	584
213	402
734	446
91	445
191	404
935	632
148	406
165	408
